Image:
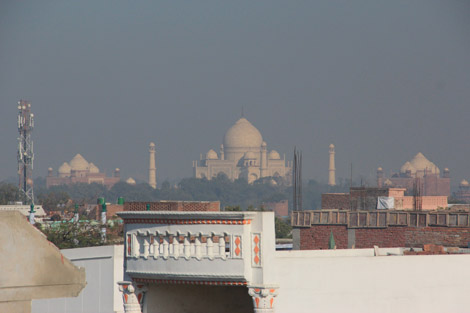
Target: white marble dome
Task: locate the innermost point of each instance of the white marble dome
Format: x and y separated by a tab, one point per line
93	168
131	181
420	163
211	155
65	168
250	155
243	135
274	155
407	167
79	163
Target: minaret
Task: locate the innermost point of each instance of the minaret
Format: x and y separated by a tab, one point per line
332	169
222	155
264	160
380	177
152	168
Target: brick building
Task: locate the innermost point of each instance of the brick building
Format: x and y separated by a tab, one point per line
365	198
366	229
181	206
280	209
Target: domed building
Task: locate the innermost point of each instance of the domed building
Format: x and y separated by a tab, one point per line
243	154
463	194
78	170
419	168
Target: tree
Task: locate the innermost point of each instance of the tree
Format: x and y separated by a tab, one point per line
283	229
9	193
66	234
52	200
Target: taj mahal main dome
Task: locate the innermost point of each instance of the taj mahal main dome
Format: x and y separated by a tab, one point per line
243	135
243	154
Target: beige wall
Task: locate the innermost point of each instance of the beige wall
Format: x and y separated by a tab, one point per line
31	267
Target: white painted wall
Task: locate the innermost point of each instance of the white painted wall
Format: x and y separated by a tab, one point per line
351	281
104	268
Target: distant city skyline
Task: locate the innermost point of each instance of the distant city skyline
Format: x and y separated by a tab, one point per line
381	81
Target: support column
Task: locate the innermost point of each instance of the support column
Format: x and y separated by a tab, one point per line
129	297
263	298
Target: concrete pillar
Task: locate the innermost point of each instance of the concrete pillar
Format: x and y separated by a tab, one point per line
152	167
263	298
332	169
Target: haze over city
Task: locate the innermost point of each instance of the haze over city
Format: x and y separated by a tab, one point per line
381	80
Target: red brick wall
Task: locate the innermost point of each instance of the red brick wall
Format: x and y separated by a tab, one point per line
335	201
383	237
445	236
280	208
213	206
111	210
316	237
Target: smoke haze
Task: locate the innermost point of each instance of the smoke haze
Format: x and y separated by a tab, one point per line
382	80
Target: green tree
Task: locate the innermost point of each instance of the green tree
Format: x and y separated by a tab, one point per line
66	234
9	193
283	228
50	201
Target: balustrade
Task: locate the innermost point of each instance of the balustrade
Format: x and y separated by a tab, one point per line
179	245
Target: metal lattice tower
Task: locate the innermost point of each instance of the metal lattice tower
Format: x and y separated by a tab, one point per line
25	150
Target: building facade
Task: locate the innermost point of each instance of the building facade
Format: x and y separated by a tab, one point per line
463	194
419	175
243	154
369	198
78	170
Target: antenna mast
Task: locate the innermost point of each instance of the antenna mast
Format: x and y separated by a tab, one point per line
25	150
297	180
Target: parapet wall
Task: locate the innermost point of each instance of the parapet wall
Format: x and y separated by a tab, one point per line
365	229
182	206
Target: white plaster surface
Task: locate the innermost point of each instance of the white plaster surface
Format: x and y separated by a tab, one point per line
356	281
104	268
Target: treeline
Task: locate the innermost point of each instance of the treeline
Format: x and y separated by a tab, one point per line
236	193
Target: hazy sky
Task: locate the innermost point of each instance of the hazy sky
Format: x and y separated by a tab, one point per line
382	80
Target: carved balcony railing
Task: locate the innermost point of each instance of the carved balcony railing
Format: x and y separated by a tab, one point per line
216	248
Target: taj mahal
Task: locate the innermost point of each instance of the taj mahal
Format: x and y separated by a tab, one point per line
243	154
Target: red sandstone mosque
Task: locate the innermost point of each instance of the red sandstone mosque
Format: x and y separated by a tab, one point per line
418	173
78	170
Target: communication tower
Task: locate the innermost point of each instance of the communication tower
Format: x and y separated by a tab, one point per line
25	150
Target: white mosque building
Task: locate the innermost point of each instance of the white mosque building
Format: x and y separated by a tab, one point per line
243	154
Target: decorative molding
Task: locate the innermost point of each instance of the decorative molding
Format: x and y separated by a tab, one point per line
185	222
178	215
256	250
236	248
129	298
263	298
191	282
184	276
